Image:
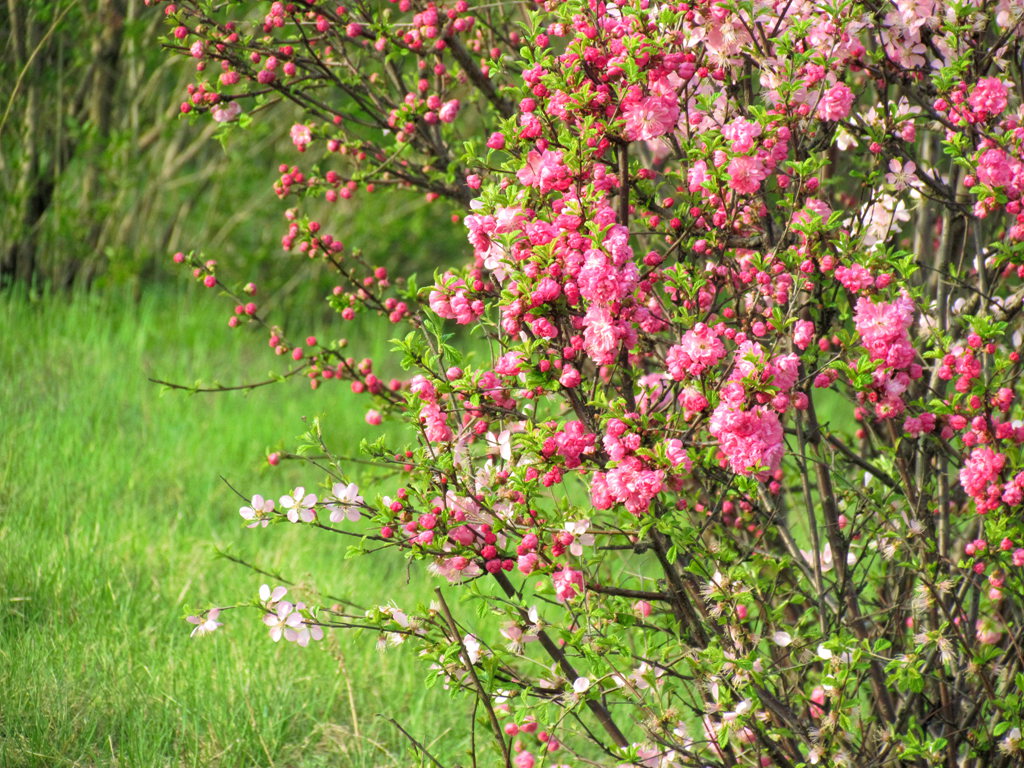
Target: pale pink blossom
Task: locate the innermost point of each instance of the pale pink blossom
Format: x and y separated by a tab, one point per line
205	624
344	503
299	505
568	583
301	136
901	175
258	512
226	112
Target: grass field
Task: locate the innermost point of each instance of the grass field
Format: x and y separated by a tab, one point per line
111	504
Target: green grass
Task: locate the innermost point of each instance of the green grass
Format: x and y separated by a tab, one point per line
111	504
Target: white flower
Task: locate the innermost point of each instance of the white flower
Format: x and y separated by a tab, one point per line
259	512
268	597
473	649
344	504
782	638
824	653
500	444
580	536
300	505
580	685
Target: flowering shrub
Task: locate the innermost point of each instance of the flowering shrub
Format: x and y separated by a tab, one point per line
739	473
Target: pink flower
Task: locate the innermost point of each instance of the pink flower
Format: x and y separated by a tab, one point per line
746	174
989	96
856	277
980	475
750	439
835	104
601	335
301	136
449	111
883	328
205	624
546	172
650	117
901	175
741	132
994	168
987	632
630	483
803	334
699	349
284	617
677	455
225	113
568	583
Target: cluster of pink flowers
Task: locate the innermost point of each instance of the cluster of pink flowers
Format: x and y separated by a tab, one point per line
980	479
751	439
451	300
433	419
631	483
572	442
883	328
700	349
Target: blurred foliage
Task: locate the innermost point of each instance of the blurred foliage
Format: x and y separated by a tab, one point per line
100	180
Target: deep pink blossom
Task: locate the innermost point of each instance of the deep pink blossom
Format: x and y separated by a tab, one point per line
750	439
989	96
835	103
746	174
650	117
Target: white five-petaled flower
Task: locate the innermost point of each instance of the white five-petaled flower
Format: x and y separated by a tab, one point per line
258	512
287	620
345	502
500	444
284	617
300	505
580	536
205	624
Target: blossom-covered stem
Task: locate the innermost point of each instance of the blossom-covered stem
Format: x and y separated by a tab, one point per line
482	695
558	655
